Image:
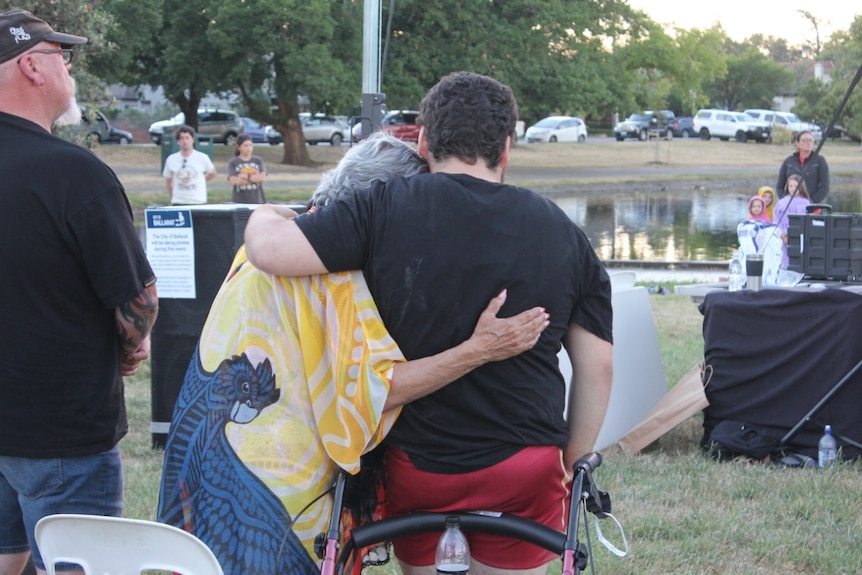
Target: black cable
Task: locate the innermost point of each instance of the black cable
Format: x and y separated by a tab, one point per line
840	107
298	515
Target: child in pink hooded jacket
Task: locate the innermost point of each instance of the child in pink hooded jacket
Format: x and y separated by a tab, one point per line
757	210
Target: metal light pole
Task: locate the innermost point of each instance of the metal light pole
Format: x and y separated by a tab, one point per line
372	99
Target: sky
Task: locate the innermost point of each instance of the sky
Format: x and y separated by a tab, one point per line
742	18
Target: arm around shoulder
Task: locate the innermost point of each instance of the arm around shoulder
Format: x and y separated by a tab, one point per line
276	245
592	379
493	339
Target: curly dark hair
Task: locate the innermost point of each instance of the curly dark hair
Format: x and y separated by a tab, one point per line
468	116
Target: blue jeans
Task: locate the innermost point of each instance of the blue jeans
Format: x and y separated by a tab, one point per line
33	488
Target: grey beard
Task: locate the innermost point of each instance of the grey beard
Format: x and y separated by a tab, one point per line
71	116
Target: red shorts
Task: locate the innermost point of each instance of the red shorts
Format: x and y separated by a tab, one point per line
532	483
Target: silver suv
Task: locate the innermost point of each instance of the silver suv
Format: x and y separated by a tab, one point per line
724	125
223	125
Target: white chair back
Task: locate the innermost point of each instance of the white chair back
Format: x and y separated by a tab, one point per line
119	546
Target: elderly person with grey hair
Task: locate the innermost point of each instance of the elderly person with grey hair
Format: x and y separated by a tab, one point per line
378	157
309	380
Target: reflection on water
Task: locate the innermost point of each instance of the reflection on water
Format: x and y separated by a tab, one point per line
697	225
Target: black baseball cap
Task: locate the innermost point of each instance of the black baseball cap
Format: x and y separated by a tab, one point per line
21	31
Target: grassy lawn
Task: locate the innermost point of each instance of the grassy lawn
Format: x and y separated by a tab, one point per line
682	512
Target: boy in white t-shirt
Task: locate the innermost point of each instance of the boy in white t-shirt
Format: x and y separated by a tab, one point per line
188	171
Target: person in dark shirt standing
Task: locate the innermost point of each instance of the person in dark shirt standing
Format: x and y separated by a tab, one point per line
246	173
77	301
811	166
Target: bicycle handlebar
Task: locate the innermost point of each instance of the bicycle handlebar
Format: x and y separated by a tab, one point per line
507	524
597	502
425	522
588	463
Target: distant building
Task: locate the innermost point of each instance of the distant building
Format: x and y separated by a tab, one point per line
147	99
804	70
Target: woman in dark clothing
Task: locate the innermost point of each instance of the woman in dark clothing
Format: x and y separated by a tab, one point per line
804	162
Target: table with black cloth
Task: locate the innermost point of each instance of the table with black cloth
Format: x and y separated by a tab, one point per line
776	353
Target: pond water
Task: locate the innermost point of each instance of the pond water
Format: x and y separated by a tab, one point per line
696	225
678	226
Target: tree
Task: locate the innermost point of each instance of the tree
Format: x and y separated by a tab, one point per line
821	101
776	49
815	46
555	54
184	60
82	19
703	62
275	50
132	31
752	81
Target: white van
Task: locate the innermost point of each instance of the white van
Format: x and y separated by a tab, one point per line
787	120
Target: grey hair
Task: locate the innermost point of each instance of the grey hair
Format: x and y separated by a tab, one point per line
377	157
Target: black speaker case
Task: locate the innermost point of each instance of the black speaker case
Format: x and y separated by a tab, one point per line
218	234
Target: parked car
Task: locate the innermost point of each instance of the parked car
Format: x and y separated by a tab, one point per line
95	129
682	127
557	129
223	125
255	129
785	120
641	126
725	124
273	136
399	123
318	129
520	130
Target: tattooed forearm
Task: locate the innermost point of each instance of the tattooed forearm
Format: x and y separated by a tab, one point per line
135	319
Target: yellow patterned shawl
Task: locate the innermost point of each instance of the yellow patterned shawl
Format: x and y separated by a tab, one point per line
332	359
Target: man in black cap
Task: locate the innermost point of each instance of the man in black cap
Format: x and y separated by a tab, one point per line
77	301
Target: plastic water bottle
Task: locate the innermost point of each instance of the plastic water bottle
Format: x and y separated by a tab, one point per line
827	449
735	281
453	552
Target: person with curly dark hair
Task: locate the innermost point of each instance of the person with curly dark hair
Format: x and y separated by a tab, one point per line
434	248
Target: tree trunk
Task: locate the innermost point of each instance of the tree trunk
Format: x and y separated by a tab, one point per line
295	150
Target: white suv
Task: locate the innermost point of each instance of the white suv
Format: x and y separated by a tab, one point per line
787	120
724	125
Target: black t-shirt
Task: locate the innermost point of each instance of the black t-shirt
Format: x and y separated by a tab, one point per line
434	249
70	256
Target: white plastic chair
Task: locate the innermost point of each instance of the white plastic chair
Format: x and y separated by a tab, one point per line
119	546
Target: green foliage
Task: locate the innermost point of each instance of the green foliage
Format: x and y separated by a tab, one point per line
752	81
590	58
82	19
702	62
275	51
844	51
553	53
